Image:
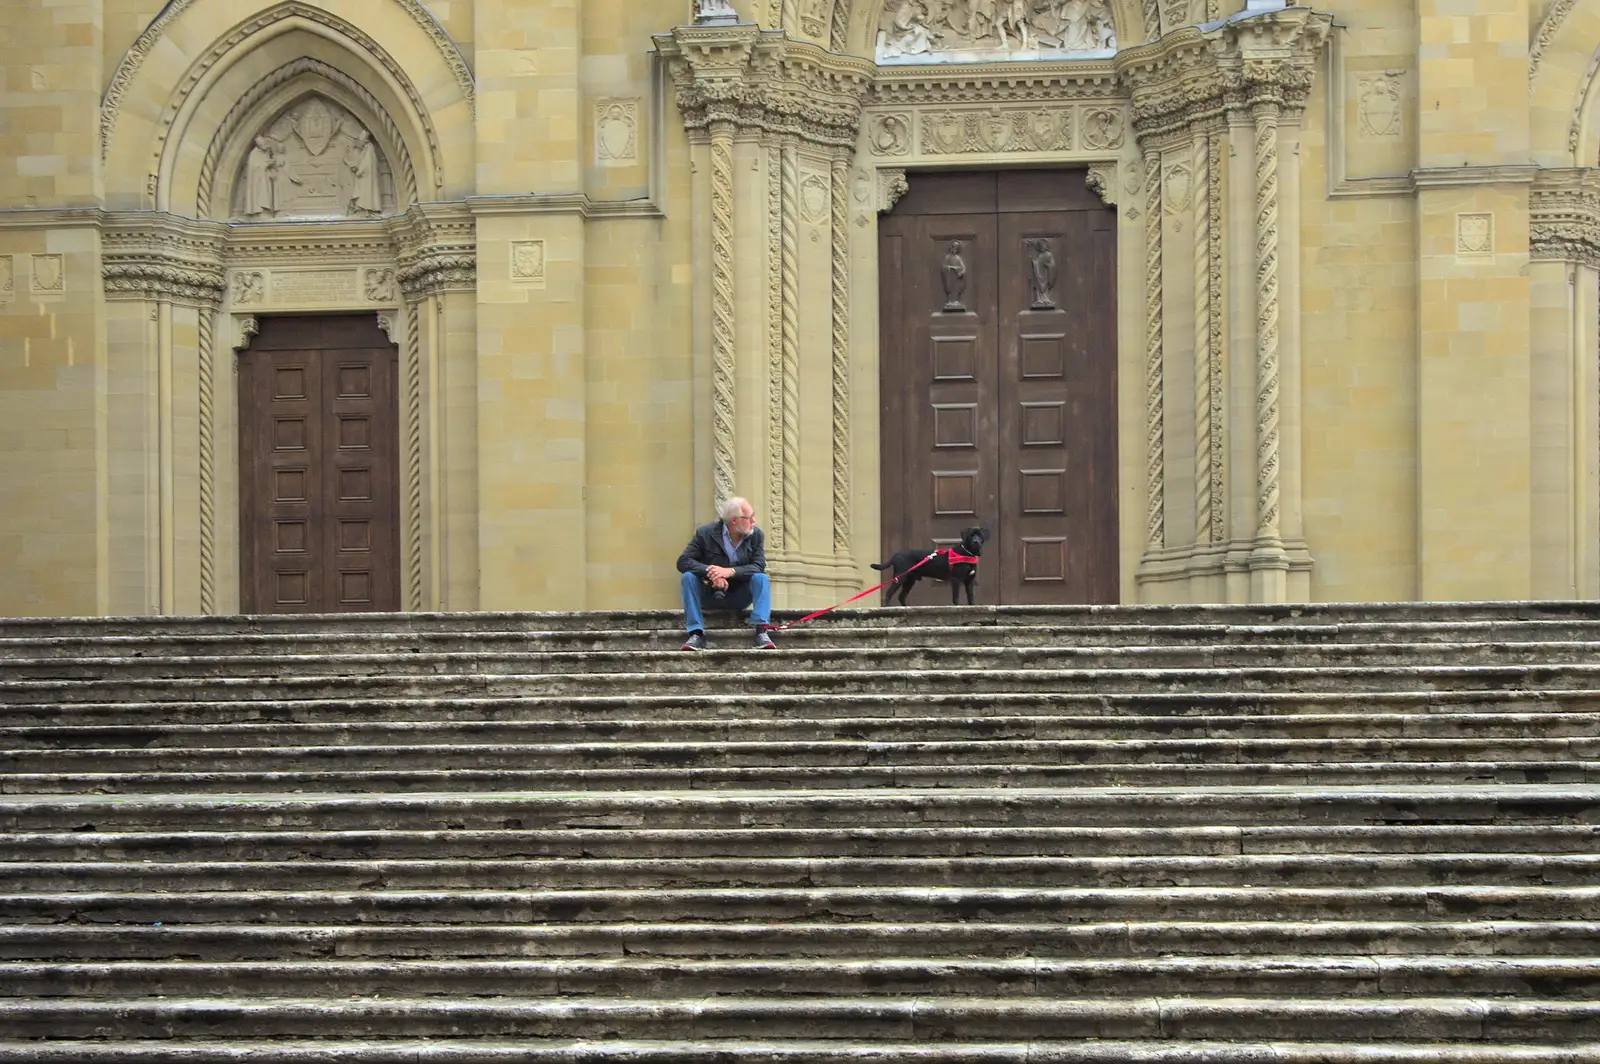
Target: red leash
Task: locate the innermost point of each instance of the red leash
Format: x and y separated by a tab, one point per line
955	559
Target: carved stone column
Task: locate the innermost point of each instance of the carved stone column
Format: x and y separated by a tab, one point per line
1269	564
1154	359
724	469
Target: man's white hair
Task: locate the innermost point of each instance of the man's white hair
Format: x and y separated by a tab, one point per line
733	507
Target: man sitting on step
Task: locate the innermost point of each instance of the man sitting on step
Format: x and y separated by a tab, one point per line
724	568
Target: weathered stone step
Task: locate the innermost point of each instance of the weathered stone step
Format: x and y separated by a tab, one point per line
732	680
818	777
241	640
929	615
928	1021
570	873
778	709
737	752
1356	727
810	905
776	841
987	939
785	1051
1559	978
1012	808
1250	655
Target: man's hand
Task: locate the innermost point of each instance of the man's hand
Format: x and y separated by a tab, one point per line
719	576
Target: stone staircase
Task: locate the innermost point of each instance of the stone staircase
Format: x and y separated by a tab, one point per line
1332	834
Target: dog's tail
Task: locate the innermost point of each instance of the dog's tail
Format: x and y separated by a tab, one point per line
885	565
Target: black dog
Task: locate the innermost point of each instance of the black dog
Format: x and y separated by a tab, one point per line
961	574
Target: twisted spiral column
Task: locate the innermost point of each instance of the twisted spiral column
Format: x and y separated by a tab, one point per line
791	341
208	463
776	526
1266	157
1203	368
722	334
1154	413
841	354
1218	398
414	455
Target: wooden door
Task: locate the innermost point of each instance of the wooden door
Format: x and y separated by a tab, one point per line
319	500
999	379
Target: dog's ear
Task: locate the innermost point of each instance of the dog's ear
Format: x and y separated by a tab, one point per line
983	535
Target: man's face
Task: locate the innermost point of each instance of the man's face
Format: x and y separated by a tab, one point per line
743	523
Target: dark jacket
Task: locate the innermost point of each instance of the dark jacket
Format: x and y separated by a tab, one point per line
705	548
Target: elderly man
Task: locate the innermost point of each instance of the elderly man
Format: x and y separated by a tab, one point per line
724	568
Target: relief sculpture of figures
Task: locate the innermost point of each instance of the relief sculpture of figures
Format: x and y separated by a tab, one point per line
1041	274
261	176
965	30
954	276
362	159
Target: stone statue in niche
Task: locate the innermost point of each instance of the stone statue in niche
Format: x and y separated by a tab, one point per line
714	11
934	31
314	160
1041	274
954	275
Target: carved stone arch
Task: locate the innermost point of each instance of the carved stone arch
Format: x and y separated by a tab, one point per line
1564	86
861	18
156	157
132	60
293	81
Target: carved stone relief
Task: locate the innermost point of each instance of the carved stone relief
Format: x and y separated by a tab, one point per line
249	286
1102	129
1178	182
995	131
965	31
315	160
714	11
1475	235
616	132
379	285
1174	14
49	274
813	198
8	282
527	262
1379	111
892	184
889	134
814	17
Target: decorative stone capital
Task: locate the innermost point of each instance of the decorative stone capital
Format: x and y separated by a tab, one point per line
759	80
892	185
438	250
163	257
1198	74
1564	216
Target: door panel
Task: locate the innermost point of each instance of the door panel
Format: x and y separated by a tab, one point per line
319	455
1009	416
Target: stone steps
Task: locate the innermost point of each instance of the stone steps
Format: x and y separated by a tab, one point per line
848	1024
224	942
1190	834
491	1050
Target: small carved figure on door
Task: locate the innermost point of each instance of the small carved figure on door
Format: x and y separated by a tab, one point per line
1041	274
954	275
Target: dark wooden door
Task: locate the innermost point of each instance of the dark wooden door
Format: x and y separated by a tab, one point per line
998	354
319	500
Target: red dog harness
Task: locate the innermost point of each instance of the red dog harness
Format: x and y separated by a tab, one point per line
955	557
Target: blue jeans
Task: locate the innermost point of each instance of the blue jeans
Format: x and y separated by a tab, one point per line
755	593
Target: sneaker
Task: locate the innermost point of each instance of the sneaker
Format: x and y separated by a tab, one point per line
696	641
764	640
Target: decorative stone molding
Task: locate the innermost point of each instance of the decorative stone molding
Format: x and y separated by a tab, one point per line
1154	368
1200	73
723	364
760	81
892	184
1205	365
841	354
1548	28
998	85
1463	176
789	286
1101	179
777	523
163	257
438	250
1564	216
133	59
1267	314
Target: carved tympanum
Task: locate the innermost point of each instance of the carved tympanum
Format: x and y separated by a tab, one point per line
315	160
924	31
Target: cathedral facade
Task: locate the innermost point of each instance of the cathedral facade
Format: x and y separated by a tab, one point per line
317	305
